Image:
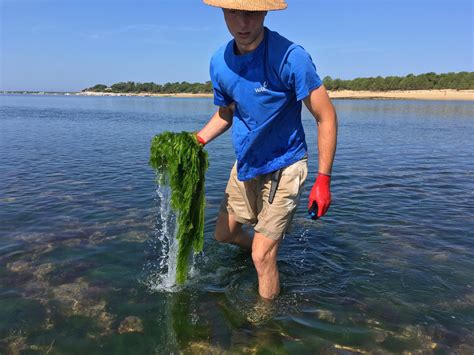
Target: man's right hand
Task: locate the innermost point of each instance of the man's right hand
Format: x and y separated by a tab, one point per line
200	139
218	124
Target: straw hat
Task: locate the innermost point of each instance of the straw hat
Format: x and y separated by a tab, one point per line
249	5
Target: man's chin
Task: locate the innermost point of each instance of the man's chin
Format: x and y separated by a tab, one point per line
245	41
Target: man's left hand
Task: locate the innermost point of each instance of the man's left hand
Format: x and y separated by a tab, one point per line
320	195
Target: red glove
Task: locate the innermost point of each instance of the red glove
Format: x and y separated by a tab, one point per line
320	196
200	140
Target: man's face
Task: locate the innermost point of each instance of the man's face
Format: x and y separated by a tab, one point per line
246	27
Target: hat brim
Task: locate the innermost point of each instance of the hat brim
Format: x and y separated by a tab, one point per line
264	5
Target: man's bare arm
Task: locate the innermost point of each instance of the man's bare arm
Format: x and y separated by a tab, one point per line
321	107
218	124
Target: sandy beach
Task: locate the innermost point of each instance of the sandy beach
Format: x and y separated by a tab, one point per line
461	95
464	95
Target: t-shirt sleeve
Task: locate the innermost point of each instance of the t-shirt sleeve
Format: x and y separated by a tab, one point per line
299	73
220	97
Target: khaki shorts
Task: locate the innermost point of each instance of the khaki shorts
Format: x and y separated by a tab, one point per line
247	201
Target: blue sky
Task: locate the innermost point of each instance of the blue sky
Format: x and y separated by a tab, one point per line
67	45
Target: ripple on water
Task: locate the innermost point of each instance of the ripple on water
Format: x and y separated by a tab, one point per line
388	270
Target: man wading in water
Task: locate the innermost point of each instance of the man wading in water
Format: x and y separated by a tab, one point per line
260	79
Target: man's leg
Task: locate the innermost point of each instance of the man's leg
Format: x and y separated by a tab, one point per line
228	230
264	256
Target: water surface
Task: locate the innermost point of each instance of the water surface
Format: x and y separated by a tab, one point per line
388	270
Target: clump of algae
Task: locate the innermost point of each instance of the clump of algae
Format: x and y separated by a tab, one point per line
181	162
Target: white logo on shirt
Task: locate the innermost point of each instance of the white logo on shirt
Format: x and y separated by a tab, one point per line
262	88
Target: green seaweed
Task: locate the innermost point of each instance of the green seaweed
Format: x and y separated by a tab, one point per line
181	162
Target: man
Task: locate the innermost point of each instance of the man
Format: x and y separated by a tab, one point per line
259	80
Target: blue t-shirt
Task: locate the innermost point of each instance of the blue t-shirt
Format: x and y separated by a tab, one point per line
267	86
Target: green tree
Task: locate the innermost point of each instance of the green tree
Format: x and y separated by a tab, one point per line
427	81
98	88
328	83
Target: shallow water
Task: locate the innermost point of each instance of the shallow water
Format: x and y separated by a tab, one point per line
81	237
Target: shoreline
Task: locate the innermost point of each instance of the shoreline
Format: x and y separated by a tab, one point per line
448	94
444	95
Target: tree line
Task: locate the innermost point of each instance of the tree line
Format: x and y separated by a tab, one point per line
152	88
428	81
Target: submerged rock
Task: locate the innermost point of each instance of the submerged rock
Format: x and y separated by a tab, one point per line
19	266
72	242
326	315
261	312
419	334
42	270
344	349
204	348
76	300
17	345
131	324
136	236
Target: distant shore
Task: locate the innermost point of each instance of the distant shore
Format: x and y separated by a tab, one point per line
143	94
447	94
462	95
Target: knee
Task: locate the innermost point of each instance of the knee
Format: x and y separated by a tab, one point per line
227	229
222	237
262	260
222	234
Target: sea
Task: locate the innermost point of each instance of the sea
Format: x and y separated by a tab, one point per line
86	236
